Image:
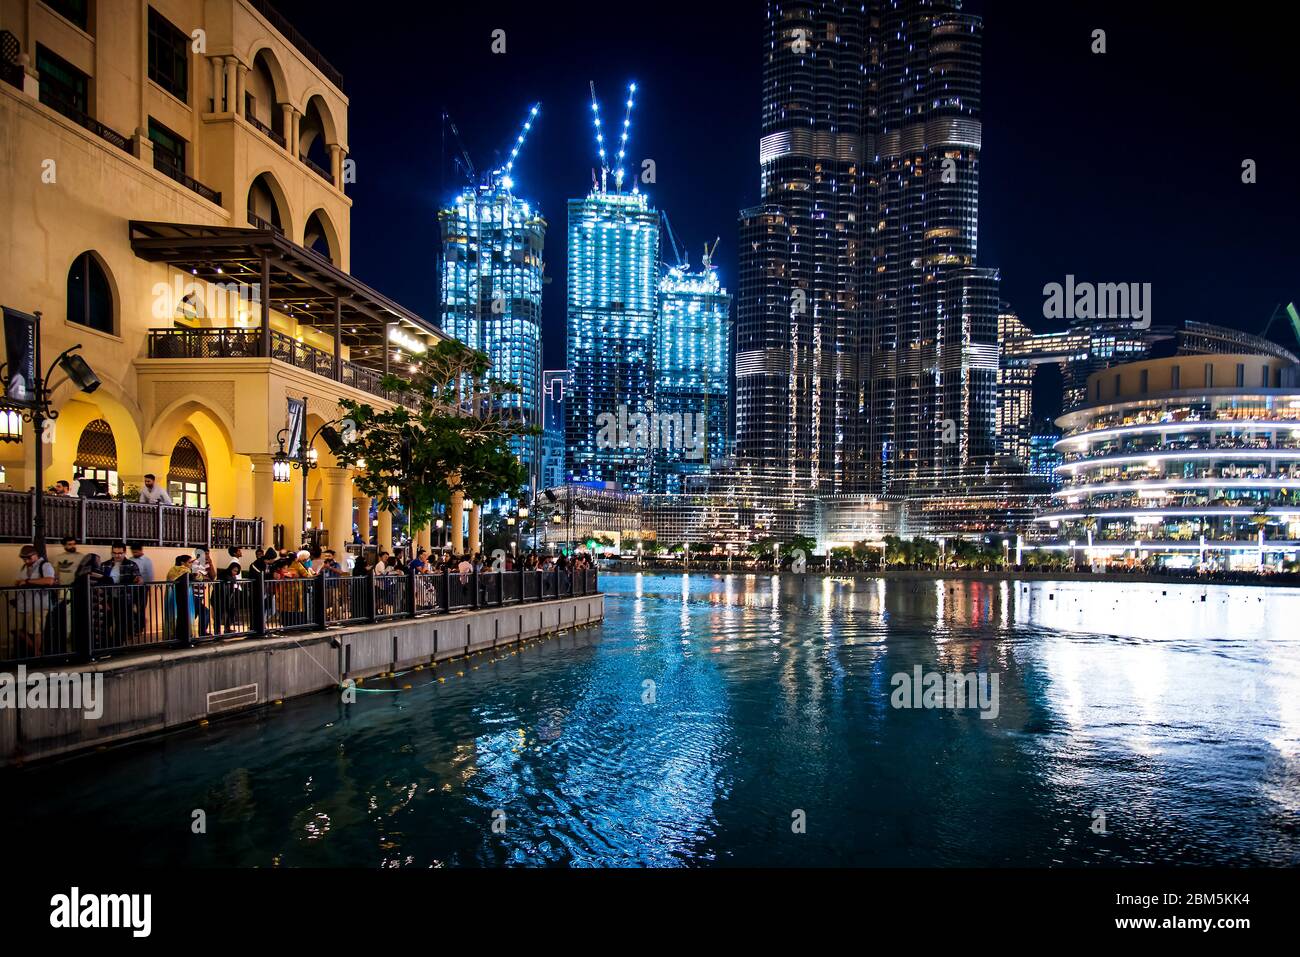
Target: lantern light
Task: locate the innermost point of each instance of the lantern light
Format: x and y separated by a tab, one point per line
11	425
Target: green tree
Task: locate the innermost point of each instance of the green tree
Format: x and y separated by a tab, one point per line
456	439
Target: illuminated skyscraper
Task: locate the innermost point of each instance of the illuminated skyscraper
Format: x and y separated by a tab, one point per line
866	355
692	351
613	299
491	292
799	313
555	387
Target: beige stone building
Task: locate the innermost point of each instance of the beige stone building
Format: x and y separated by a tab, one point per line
165	167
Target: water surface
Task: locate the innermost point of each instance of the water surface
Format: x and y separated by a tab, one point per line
710	717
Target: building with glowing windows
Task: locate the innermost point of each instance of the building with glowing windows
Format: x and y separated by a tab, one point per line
691	372
613	304
1182	461
491	292
555	386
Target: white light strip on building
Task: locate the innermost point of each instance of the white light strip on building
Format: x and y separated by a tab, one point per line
1182	455
1187	424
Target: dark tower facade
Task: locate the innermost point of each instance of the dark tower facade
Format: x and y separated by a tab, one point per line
798	402
866	340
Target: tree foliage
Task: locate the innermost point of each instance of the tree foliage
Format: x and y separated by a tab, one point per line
456	439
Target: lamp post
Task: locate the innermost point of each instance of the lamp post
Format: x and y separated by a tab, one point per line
304	458
35	407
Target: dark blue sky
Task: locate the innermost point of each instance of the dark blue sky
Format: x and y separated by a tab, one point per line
1124	167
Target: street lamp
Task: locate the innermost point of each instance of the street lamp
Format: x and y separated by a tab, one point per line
31	400
304	458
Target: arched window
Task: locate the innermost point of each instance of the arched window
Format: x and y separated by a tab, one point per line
316	236
97	455
90	297
187	476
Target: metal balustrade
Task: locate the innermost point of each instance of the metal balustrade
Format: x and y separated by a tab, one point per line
106	521
86	620
245	343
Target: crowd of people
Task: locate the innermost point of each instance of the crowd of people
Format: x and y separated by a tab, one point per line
123	616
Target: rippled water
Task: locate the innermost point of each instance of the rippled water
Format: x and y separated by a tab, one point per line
1173	710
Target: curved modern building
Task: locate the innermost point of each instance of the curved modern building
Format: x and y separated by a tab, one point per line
1183	460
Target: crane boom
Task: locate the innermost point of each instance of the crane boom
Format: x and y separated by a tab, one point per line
470	172
519	140
668	227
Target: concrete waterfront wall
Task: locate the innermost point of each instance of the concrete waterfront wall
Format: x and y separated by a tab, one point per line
148	693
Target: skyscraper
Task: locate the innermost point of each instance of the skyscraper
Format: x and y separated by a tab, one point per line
613	299
799	314
555	387
692	349
867	354
491	292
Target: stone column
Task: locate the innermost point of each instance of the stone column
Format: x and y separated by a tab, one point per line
456	524
286	111
361	505
475	521
317	508
241	72
385	537
424	538
297	133
218	83
338	484
264	497
232	75
336	164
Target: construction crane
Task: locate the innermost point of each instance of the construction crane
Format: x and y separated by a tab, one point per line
504	172
472	175
682	262
622	143
467	166
707	260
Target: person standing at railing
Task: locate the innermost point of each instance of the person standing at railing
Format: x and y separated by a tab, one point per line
174	574
32	608
203	572
120	604
140	596
151	493
226	599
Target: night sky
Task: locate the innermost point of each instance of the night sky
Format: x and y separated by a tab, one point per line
1122	167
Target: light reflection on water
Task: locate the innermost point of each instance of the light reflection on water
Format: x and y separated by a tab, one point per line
1173	709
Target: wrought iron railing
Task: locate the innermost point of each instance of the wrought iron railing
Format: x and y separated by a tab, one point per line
290	33
89	620
189	182
226	343
106	521
260	223
272	135
316	168
84	120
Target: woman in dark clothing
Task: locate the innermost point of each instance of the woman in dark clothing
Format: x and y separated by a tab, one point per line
229	592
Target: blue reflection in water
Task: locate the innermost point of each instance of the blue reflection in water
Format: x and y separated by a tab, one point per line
708	710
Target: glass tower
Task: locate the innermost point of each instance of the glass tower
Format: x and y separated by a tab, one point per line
692	349
867	350
491	293
613	300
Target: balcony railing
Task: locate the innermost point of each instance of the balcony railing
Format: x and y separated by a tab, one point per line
246	343
189	182
316	168
89	620
260	223
105	521
266	131
277	20
72	112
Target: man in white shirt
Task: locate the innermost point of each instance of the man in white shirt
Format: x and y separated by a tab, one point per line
152	493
